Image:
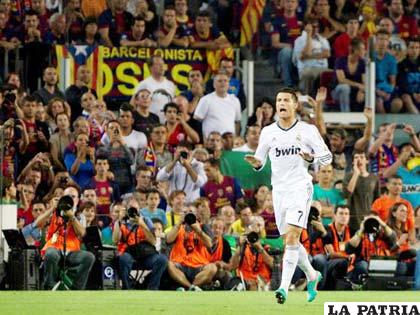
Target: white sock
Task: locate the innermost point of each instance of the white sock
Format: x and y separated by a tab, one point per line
305	265
290	260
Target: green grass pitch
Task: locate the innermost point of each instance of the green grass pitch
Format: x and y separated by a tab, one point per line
188	303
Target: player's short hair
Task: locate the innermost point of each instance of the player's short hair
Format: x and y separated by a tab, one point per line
291	91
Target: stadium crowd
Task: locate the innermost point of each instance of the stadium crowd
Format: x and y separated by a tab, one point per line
161	154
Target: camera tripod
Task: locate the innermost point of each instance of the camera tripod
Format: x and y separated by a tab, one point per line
65	282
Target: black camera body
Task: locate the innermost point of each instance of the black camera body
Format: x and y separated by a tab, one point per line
371	226
313	214
64	204
132	213
184	155
252	237
190	218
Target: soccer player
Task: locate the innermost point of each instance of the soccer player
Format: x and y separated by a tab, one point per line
291	145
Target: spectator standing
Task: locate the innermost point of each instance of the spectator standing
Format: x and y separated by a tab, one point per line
157	153
361	188
50	89
75	91
162	89
135	140
119	156
80	164
235	85
184	173
219	111
144	120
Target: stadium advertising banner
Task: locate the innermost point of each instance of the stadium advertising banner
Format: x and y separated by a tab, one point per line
117	71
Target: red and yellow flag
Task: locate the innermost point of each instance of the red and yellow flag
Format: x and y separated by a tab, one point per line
250	17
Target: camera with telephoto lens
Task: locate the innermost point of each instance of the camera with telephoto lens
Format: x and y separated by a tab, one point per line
184	155
190	218
65	204
313	214
252	237
371	226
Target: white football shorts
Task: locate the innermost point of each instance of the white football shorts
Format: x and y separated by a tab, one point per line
292	206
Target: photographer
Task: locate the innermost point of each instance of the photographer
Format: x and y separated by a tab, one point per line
9	107
184	173
252	261
338	234
136	244
189	263
78	262
374	238
13	145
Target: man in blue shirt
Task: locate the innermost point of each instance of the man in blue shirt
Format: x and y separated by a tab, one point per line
386	73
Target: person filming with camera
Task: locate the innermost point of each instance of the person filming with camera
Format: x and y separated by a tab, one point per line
374	238
63	237
184	173
251	260
189	263
135	244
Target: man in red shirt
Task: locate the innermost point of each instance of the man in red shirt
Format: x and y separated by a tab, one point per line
283	36
37	131
405	26
220	190
107	191
342	42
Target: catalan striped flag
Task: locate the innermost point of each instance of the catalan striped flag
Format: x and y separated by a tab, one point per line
150	158
250	17
70	58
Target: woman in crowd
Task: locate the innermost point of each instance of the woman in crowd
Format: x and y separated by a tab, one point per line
60	139
55	107
80	163
178	128
263	114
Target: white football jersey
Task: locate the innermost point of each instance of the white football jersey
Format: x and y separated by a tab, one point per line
283	146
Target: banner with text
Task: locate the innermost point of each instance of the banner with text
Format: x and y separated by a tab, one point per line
117	71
